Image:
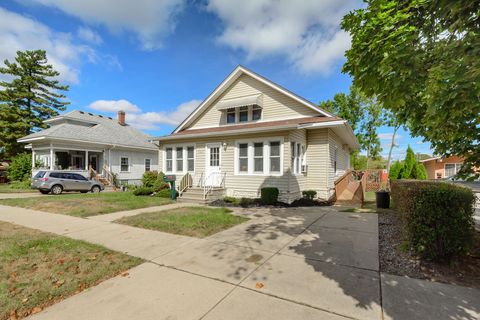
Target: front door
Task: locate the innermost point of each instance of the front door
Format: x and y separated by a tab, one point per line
213	175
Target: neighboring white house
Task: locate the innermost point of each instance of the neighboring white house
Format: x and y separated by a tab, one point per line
79	140
251	133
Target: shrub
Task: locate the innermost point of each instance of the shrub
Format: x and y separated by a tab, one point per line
20	169
437	217
247	202
164	193
143	191
309	194
269	195
394	172
419	172
231	200
149	178
408	164
20	184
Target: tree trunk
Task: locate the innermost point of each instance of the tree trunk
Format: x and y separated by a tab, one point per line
368	155
392	144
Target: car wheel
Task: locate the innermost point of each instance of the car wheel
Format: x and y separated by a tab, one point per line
95	189
44	191
56	189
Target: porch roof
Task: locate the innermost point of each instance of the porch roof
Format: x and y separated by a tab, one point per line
100	130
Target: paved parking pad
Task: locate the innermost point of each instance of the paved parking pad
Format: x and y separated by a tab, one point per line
347	291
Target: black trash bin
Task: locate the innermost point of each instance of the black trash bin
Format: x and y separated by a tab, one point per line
383	199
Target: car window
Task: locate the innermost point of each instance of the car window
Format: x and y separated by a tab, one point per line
67	176
77	176
55	175
40	174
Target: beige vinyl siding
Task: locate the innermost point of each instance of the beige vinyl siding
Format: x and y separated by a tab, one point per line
276	106
335	142
239	185
298	182
318	162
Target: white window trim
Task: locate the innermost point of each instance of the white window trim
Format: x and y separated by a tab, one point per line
120	164
237	116
298	160
174	158
456	171
145	165
207	154
266	157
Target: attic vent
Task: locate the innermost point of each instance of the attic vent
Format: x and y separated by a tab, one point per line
91	114
110	118
100	116
82	112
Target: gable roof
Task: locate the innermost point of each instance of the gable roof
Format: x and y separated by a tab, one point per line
86	127
235	74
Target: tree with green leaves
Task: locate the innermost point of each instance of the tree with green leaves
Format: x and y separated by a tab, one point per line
28	99
421	60
364	116
408	164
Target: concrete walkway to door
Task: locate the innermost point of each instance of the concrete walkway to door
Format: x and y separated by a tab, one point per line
309	263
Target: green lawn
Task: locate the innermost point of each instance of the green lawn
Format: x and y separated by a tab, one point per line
38	269
190	221
89	204
15	188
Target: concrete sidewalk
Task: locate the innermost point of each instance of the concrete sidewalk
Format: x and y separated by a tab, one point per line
309	263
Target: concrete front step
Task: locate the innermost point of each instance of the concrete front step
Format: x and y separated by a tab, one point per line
196	195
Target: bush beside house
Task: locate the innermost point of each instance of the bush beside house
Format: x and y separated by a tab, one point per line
20	169
408	169
437	217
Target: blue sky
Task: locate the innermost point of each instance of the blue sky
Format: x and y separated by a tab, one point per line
158	59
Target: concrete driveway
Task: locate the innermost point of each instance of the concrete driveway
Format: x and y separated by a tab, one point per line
309	263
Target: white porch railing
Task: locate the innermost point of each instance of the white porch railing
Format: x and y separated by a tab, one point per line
213	180
200	180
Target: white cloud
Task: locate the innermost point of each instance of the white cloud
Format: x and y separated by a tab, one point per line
150	20
89	35
146	120
18	32
114	106
308	34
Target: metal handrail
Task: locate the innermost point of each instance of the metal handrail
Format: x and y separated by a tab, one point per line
207	189
185	183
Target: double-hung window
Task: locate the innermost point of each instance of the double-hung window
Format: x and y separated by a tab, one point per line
258	157
452	169
148	163
190	159
243	114
124	165
297	157
256	112
243	157
179	159
231	115
275	156
169	159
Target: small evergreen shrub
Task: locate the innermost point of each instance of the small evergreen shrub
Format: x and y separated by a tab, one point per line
20	169
164	193
437	217
309	194
143	191
247	202
269	195
231	200
20	184
395	169
149	178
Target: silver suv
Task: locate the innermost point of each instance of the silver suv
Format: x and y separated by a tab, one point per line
58	181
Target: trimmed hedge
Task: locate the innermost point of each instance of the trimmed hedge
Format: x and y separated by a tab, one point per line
269	195
143	191
437	217
309	194
164	193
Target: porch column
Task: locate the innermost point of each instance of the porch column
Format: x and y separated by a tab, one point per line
86	160
52	160
33	159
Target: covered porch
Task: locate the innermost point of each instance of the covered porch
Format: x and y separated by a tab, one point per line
76	159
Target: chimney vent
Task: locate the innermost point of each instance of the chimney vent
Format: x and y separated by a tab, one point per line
121	117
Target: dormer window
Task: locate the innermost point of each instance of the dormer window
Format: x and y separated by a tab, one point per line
231	115
241	109
256	112
243	114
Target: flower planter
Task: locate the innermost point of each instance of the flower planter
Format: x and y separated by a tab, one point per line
383	199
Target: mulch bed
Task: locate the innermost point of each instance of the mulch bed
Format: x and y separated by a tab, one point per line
257	203
400	261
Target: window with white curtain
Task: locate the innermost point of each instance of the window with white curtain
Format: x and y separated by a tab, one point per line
275	156
243	157
298	160
169	159
179	159
190	159
258	157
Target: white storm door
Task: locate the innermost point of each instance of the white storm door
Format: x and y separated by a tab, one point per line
213	175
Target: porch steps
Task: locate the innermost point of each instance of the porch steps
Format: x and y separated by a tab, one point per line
195	195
